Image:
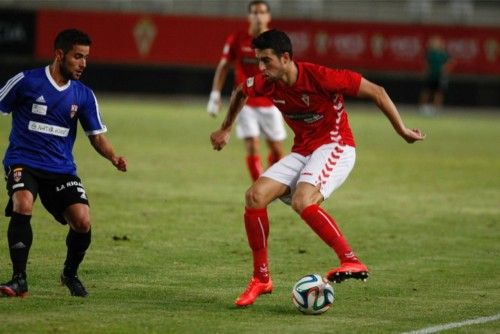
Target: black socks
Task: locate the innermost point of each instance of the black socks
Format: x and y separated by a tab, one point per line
77	244
20	237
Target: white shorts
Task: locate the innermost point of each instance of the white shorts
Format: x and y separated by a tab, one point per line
327	168
253	120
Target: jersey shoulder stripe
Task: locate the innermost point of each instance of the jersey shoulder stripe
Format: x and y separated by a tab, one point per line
98	114
10	84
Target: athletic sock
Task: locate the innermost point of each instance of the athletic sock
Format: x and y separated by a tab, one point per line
272	159
257	227
77	244
324	226
20	237
254	166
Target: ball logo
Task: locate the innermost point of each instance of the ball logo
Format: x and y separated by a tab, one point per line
312	294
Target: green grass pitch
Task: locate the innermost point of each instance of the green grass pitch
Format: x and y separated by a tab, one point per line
425	218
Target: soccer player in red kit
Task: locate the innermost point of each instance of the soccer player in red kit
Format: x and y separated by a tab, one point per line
259	114
310	97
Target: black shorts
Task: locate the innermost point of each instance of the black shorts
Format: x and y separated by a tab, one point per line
57	191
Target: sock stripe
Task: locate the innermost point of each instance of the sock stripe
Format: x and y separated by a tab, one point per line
262	231
329	222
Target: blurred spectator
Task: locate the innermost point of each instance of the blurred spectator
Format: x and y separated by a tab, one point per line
419	10
461	10
438	66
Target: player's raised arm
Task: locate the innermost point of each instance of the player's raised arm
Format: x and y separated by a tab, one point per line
220	76
378	95
220	137
103	146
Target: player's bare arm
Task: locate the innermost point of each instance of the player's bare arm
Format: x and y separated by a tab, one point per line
103	146
378	95
214	103
220	137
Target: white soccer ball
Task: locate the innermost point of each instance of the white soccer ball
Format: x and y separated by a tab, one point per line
312	294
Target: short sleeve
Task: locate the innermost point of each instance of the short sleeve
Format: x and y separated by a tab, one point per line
256	86
90	116
340	81
228	51
9	93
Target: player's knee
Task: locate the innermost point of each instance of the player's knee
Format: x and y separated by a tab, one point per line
81	224
254	198
23	203
300	202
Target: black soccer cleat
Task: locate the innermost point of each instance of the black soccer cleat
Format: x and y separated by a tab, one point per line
347	271
74	285
16	287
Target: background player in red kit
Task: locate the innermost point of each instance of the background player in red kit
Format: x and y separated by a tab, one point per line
259	114
310	98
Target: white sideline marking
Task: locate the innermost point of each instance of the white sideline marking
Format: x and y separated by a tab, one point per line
451	325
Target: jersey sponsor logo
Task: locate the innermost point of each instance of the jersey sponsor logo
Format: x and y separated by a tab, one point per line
70	184
39	109
305	99
250	82
308	118
48	129
279	101
41	99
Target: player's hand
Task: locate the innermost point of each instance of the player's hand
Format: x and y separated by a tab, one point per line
220	138
120	163
214	103
412	135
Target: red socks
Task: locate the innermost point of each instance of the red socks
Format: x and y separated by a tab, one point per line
272	159
329	232
257	227
254	166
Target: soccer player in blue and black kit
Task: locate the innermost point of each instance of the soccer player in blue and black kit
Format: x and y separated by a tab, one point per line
46	105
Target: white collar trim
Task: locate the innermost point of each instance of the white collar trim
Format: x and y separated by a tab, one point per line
56	86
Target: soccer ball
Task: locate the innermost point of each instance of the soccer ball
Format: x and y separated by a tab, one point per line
312	295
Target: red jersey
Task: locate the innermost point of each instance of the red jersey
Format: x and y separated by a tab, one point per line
313	106
238	50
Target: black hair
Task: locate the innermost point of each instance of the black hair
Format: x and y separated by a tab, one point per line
258	2
69	37
273	39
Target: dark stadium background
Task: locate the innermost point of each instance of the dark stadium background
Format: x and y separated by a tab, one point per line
172	47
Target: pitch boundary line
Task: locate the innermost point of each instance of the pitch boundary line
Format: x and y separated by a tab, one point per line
451	325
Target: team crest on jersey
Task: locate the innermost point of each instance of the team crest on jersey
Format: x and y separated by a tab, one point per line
74	109
250	81
305	99
17	174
